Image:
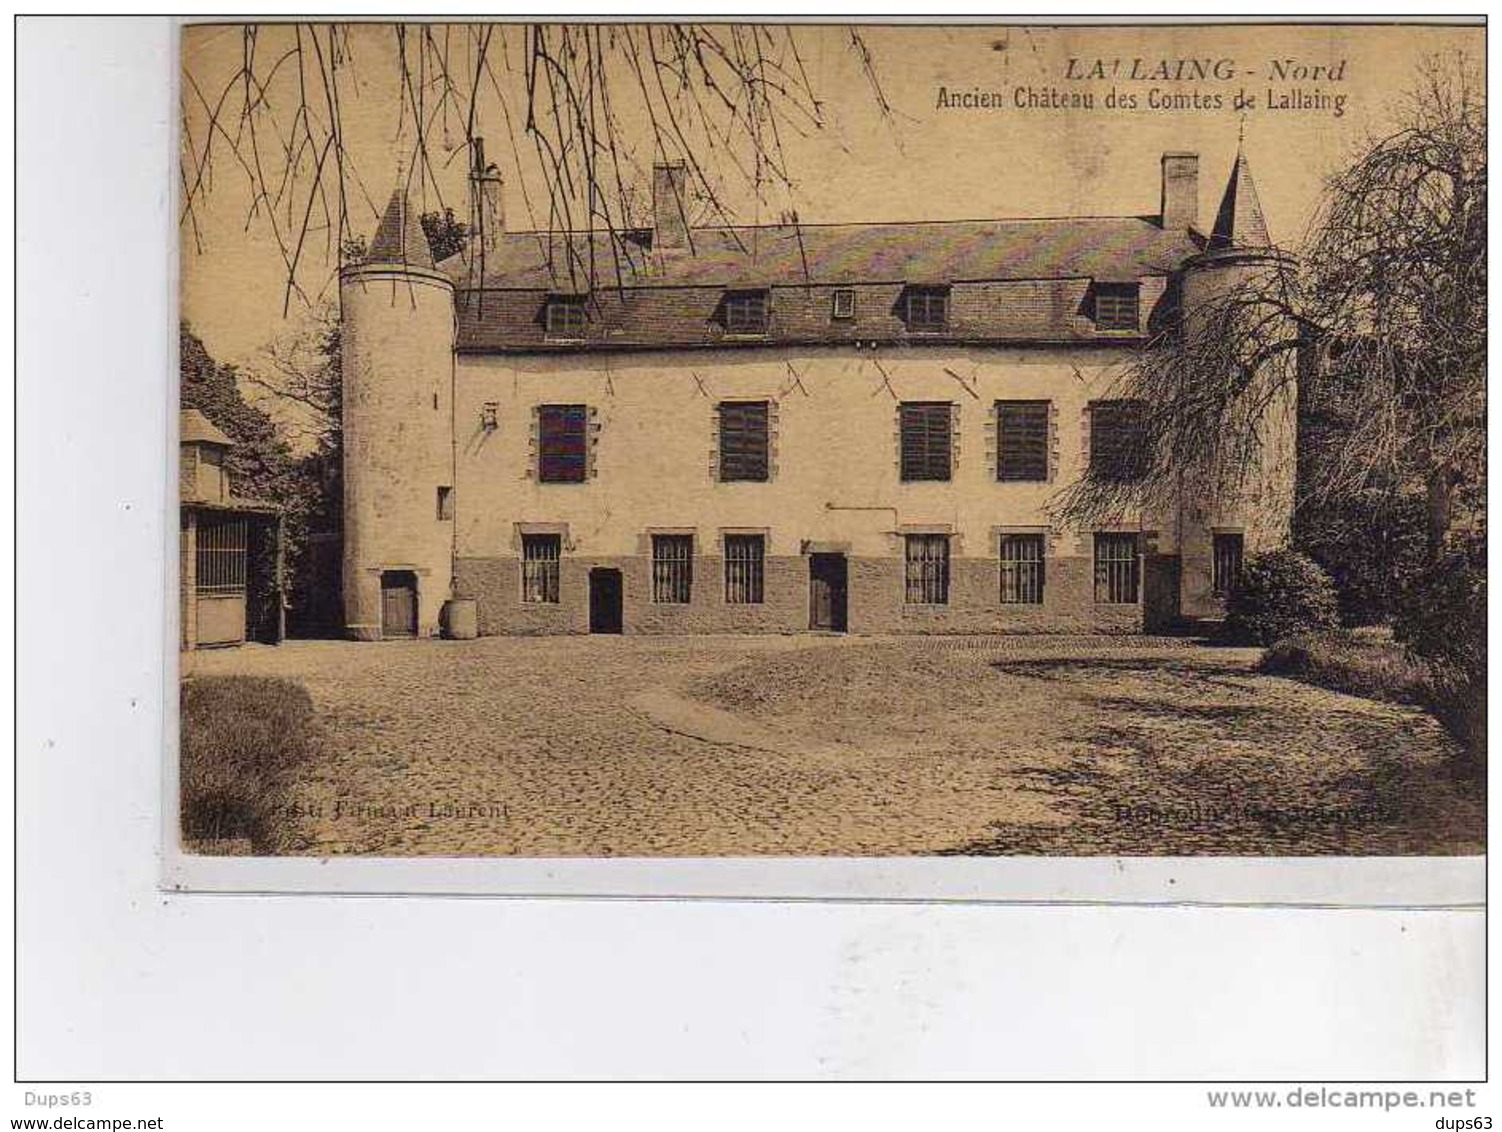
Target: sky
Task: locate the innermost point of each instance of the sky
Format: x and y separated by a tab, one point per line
987	157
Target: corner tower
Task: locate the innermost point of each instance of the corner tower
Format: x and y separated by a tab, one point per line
1238	252
396	353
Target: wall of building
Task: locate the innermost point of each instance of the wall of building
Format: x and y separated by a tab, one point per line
1263	511
397	344
835	482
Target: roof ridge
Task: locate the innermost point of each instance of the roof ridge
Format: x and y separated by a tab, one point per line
802	224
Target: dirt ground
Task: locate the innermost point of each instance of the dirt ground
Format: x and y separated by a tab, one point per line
806	746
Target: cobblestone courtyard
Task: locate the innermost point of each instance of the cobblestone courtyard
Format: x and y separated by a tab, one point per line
824	745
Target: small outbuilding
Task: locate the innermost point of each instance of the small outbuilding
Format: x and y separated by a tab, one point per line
230	577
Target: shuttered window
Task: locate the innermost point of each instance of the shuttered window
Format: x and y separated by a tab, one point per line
1021	441
1229	551
745	564
927	570
672	568
540	560
744	441
927	437
1116	306
926	308
562	443
1117	441
1116	569
1021	569
746	312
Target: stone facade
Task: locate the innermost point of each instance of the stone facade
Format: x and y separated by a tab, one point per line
446	375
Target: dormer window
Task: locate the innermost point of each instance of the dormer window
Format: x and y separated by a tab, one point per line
745	312
1116	306
926	308
565	317
843	304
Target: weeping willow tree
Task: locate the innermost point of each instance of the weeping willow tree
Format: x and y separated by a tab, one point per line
1378	321
583	109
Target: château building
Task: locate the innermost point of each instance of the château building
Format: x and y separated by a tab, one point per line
776	428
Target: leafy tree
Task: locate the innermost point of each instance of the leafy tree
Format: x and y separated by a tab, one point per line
1380	322
260	463
446	234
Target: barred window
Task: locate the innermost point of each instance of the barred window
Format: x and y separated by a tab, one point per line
1228	554
1116	306
562	443
1021	441
746	312
1117	441
744	444
221	556
1022	569
565	316
927	435
926	308
1116	569
745	559
672	568
540	557
928	569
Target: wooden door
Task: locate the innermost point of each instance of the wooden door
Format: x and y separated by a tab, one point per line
827	592
398	604
605	601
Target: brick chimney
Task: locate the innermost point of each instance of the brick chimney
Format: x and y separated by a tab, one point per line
486	222
669	207
1181	191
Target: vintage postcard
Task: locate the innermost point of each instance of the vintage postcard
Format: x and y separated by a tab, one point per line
705	446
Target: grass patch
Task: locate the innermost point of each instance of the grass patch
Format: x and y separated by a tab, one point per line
242	737
1368	664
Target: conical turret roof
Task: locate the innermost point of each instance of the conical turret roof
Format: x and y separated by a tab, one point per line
399	238
1239	223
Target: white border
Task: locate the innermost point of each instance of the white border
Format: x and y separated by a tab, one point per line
119	980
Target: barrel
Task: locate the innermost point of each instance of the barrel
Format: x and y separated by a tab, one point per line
461	619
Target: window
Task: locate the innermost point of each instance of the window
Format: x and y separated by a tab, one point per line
562	443
1117	451
672	568
445	503
926	308
743	441
843	303
927	433
1116	569
1229	550
745	557
565	316
540	555
746	312
928	569
1116	306
1021	441
221	557
1021	569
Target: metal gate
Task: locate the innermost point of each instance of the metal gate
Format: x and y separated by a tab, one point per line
221	571
398	604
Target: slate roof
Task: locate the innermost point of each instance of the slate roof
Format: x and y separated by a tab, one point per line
193	427
1017	280
399	237
1106	248
1239	222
